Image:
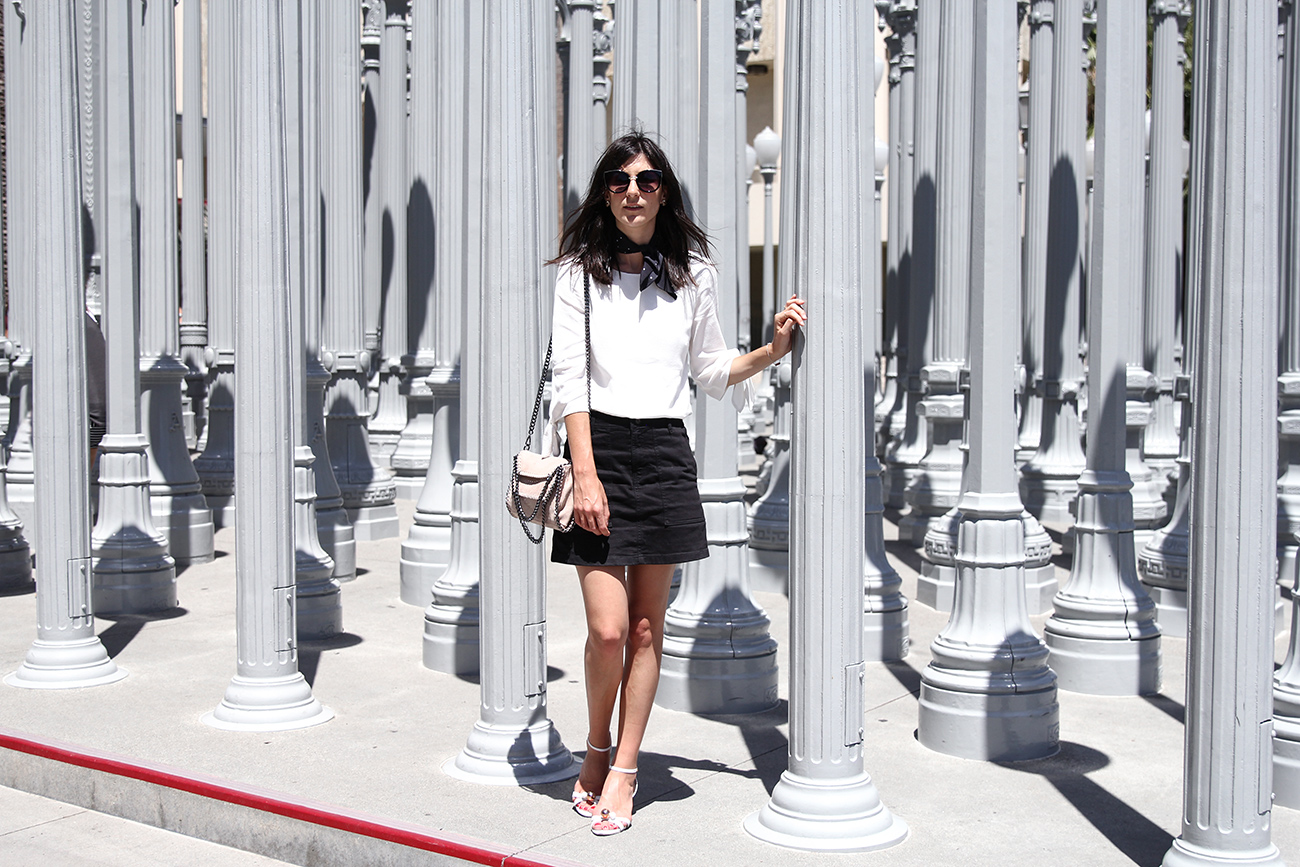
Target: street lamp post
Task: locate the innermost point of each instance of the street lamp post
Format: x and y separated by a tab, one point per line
767	147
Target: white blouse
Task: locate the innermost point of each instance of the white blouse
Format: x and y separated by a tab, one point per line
643	344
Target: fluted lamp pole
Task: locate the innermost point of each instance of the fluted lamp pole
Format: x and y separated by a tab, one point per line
66	652
268	692
134	573
825	800
767	147
988	693
769	518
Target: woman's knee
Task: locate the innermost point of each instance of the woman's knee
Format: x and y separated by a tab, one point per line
607	637
644	632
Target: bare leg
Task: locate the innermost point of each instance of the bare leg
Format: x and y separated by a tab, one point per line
605	598
647	600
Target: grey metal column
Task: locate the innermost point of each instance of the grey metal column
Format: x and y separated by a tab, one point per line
368	490
21	296
333	528
988	693
410	460
580	113
1164	251
656	81
267	693
194	278
317	598
179	508
1288	485
66	652
134	574
1038	173
1049	480
749	29
15	554
768	521
513	742
1150	510
825	800
216	465
933	518
602	41
451	640
1286	681
548	163
889	291
90	91
1228	774
718	655
1163	563
1103	636
909	446
372	248
768	149
937	483
390	416
885	627
874	317
892	417
437	99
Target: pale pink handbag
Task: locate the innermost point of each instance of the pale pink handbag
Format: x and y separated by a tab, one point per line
541	486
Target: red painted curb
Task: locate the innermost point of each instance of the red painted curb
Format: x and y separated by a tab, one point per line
317	813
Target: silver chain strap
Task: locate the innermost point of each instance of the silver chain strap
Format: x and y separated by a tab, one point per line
554	482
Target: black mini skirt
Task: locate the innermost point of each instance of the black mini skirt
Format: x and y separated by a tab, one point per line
655	515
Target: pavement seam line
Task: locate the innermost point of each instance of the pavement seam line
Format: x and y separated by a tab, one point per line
47	821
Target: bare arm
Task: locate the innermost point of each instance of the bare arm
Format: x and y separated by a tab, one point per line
590	508
745	366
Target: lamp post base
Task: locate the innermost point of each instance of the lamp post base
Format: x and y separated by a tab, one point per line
268	704
498	755
826	816
66	665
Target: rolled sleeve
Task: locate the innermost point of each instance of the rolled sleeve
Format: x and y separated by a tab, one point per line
569	346
709	355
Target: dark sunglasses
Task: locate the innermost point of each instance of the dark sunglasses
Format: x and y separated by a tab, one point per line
647	181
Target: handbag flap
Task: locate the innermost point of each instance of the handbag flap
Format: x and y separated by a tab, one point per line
534	468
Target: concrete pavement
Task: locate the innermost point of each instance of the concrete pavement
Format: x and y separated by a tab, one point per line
1111	797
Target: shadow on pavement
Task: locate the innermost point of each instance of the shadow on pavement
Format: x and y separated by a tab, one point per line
127	626
309	652
1132	833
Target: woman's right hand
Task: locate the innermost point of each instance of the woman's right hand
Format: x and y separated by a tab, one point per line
590	508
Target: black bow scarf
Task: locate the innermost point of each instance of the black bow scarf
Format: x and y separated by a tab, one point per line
653	272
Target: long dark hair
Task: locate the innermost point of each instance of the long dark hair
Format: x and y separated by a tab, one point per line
589	232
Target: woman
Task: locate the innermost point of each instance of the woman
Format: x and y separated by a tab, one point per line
653	320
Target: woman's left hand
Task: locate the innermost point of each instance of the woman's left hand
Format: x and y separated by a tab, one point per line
785	322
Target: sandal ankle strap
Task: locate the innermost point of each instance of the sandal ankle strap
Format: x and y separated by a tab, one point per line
622	770
597	749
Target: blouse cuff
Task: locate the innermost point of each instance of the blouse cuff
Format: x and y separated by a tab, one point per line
712	375
744	394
